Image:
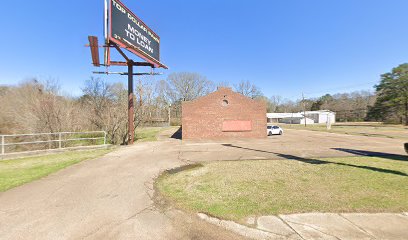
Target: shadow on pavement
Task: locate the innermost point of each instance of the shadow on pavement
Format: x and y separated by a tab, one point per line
317	161
390	156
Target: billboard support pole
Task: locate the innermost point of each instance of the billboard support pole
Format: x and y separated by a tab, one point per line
131	106
120	40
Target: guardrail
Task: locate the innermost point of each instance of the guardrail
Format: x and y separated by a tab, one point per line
22	143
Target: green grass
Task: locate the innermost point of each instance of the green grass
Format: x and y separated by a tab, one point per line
238	189
147	134
16	172
362	129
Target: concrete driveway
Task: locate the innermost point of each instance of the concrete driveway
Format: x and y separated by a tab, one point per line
113	198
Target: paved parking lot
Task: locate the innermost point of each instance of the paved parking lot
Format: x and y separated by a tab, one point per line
295	143
113	197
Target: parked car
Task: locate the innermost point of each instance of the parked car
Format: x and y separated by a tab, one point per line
274	130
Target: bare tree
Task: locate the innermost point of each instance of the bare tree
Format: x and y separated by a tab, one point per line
7	121
35	106
187	86
275	102
223	84
106	106
248	89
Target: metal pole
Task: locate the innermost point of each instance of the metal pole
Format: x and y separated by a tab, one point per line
105	32
105	20
2	145
131	110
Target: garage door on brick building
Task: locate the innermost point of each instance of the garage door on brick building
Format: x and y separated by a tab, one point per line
223	114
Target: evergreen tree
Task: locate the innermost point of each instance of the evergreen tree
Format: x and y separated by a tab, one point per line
392	96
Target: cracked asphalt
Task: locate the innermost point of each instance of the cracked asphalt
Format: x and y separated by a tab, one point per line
113	197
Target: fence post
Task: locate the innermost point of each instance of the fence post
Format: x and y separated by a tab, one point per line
104	138
59	141
2	145
49	142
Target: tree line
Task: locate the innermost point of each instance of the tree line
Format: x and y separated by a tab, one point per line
35	106
389	102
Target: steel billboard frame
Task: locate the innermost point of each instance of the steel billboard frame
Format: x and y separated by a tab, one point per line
110	42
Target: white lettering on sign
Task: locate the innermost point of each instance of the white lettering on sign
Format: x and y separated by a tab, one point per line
137	22
141	40
138	34
118	6
130	35
130	30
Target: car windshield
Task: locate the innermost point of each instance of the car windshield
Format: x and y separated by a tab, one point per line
275	127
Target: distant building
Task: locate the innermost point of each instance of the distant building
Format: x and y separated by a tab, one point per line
281	117
321	116
297	120
223	114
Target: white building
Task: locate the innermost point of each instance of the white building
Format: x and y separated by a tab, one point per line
321	116
281	117
297	120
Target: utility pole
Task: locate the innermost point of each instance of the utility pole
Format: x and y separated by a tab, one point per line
304	108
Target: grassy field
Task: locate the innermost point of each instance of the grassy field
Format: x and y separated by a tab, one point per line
16	172
362	129
148	134
238	189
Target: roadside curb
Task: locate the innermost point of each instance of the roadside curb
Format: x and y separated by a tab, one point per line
246	231
319	226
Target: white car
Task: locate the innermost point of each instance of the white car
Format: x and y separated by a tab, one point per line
274	130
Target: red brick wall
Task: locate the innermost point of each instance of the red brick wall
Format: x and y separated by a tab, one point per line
242	117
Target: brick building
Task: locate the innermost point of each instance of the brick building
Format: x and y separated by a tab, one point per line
223	114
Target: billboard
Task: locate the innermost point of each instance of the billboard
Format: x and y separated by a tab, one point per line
128	31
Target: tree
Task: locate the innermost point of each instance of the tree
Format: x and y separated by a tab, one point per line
248	89
392	95
269	105
106	106
317	105
274	103
186	86
36	106
223	84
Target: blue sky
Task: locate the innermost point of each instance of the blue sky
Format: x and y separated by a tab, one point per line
285	47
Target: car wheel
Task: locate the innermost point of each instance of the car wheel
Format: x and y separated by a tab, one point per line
280	133
269	133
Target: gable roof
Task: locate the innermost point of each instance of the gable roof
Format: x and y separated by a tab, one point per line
223	90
